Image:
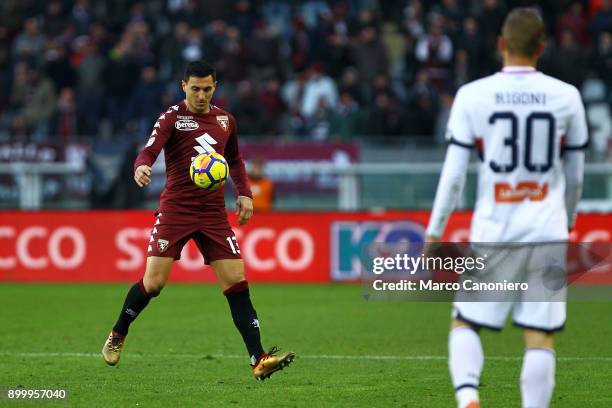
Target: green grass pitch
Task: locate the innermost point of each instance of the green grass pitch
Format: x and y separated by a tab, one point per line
184	350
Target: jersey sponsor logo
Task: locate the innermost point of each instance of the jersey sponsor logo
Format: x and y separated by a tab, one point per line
186	125
184	117
223	121
162	245
205	142
525	190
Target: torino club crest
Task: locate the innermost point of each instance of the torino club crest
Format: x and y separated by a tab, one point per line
223	121
162	245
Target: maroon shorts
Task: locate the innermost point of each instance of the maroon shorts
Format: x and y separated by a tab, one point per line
211	233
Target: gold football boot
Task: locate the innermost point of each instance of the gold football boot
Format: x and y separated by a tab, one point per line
111	350
270	363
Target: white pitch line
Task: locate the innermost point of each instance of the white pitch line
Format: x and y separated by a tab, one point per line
321	357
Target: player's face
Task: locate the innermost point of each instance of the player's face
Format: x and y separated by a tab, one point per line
199	92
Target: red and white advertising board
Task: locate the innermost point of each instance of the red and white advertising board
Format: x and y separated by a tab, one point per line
107	246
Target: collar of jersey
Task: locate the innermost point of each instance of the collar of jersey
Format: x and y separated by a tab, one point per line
516	69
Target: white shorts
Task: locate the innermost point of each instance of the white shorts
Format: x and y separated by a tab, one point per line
541	307
544	316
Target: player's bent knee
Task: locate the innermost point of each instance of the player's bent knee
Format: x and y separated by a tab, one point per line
229	271
153	287
459	323
539	339
156	274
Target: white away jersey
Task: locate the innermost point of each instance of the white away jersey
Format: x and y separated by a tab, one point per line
520	121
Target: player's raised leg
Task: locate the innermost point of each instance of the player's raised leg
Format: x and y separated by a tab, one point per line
465	362
138	297
538	372
230	273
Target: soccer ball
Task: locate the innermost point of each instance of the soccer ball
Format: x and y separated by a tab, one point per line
209	171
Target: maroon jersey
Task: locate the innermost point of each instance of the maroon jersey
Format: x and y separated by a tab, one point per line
183	135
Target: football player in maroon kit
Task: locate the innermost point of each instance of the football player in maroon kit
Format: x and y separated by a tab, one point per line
187	212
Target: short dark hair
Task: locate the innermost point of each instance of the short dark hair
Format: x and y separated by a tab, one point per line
523	31
200	69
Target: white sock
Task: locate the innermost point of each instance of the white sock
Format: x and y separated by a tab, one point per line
465	363
465	396
537	377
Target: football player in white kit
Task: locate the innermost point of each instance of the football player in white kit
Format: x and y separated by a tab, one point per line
530	132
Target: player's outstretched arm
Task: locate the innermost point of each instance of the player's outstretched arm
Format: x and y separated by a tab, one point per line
142	175
244	209
449	189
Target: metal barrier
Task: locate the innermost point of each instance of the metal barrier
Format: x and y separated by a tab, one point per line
29	177
359	186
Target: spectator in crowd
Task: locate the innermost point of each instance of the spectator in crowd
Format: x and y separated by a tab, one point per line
233	57
121	76
248	108
601	22
570	61
39	105
30	43
602	59
64	122
318	86
318	125
574	21
82	16
346	121
58	66
305	70
349	82
54	18
490	20
243	18
462	73
413	18
262	187
264	51
434	52
146	100
470	42
292	93
422	105
90	87
386	117
173	48
273	106
453	17
370	55
301	47
446	102
409	61
5	78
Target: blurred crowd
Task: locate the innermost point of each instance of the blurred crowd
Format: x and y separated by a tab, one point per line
83	70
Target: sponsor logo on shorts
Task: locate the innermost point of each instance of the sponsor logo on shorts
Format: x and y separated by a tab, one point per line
186	125
162	245
223	121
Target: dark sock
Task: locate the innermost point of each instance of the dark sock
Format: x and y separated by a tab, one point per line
245	318
135	301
